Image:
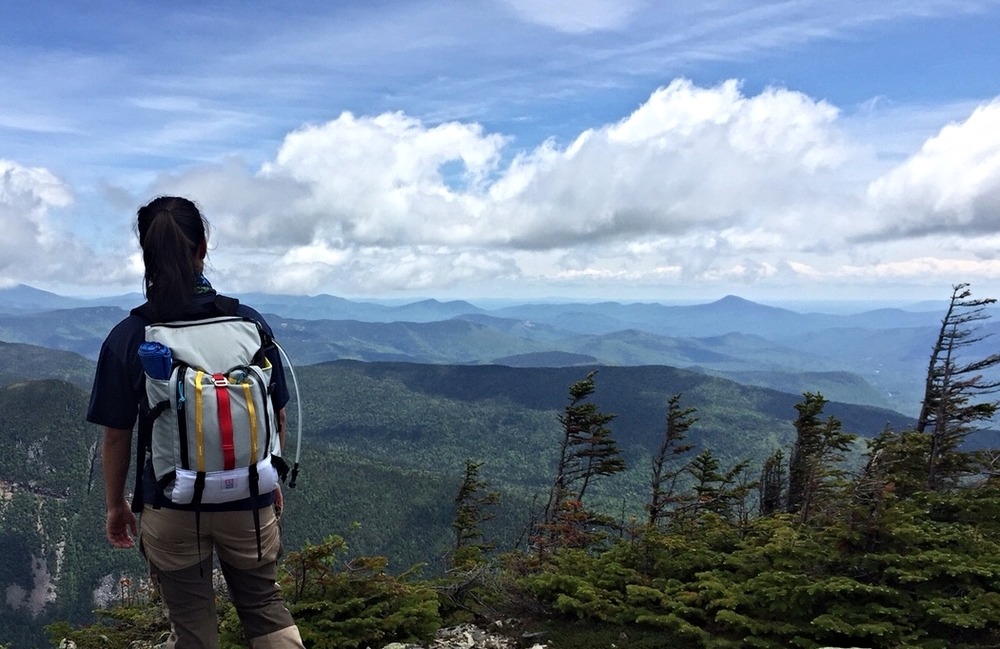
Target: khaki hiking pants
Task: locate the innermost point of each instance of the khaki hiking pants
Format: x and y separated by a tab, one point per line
183	571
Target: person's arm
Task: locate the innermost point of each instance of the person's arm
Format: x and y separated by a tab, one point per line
116	454
279	500
282	422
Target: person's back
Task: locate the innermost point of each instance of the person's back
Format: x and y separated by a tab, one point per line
180	539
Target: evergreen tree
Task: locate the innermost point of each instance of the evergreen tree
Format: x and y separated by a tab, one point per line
664	481
771	485
472	509
950	410
898	461
819	446
587	451
720	493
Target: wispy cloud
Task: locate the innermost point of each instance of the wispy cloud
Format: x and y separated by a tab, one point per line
577	16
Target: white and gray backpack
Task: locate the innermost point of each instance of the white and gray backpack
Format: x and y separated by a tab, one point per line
209	423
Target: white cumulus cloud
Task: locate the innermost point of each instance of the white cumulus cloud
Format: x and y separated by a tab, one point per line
951	185
688	159
697	184
31	245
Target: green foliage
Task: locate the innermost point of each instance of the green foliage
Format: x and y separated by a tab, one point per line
928	583
814	470
897	461
422	416
663	481
771	485
873	560
587	451
51	509
337	604
20	362
344	605
724	494
473	505
136	619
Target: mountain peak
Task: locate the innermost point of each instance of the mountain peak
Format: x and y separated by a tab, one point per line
22	298
734	302
730	300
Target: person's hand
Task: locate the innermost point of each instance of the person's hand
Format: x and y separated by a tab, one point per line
120	523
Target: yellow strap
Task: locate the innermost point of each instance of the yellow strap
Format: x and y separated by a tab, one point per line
199	431
253	421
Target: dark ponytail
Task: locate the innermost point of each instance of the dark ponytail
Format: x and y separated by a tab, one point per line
171	233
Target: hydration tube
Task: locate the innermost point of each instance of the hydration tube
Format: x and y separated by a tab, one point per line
298	415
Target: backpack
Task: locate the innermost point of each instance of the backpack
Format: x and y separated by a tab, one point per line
208	424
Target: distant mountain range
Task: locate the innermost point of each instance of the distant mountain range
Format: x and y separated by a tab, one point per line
876	357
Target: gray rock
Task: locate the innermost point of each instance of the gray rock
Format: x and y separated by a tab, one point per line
470	636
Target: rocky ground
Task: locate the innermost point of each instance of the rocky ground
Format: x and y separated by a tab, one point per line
496	636
470	636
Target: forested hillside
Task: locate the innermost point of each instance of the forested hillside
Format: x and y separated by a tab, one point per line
421	415
386	445
51	508
23	362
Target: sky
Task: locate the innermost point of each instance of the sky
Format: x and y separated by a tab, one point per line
627	150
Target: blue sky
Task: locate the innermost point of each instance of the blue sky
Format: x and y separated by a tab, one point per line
598	149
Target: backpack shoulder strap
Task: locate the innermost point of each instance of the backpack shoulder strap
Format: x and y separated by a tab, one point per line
145	311
226	305
223	305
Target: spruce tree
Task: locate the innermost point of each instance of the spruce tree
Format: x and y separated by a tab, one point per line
587	451
771	486
720	493
473	505
664	481
819	447
950	409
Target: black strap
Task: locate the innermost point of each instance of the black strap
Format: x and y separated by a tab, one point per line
254	502
158	409
144	445
199	490
160	498
145	433
280	466
226	305
182	434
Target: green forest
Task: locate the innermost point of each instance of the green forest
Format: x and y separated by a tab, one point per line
657	508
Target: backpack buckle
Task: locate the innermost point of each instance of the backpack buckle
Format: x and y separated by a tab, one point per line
220	380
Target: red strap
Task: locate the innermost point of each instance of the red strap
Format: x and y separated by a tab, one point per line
225	422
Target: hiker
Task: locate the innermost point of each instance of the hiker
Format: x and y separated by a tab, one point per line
178	538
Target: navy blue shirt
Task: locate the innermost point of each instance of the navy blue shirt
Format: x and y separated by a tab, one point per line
119	386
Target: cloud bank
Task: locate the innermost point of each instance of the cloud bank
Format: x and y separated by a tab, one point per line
698	187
